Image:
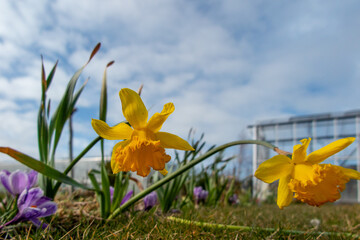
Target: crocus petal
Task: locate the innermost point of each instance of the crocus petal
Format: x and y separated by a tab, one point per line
35	194
299	152
275	168
133	108
5	180
169	140
117	132
197	191
150	200
47	209
42	200
157	120
33	176
351	173
329	150
29	198
38	223
285	195
19	181
111	193
22	199
126	197
30	213
114	164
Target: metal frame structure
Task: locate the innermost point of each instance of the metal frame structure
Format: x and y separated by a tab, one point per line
323	129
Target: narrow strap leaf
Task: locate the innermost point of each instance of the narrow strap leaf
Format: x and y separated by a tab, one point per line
41	167
94	51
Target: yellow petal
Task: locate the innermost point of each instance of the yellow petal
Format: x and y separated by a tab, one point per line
117	132
157	120
133	108
163	172
274	168
285	195
114	165
299	152
351	173
329	150
169	140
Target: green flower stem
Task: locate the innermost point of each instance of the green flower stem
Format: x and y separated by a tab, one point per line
245	228
72	164
183	169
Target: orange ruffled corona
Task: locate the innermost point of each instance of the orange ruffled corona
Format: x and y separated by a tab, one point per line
143	145
303	178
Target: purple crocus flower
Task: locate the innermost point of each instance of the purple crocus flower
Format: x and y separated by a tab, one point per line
16	182
233	200
200	194
32	205
111	193
125	198
150	200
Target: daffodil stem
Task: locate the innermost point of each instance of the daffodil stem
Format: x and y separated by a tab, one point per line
75	161
246	228
183	169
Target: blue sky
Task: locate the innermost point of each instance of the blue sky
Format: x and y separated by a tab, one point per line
224	64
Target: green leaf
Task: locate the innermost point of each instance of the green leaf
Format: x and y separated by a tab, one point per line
120	189
66	105
106	190
43	130
103	96
41	167
51	75
99	192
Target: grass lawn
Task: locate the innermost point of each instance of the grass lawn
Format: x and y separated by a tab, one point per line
78	218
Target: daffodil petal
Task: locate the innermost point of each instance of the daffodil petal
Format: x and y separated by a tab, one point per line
274	168
323	153
299	152
285	195
303	172
117	132
168	140
351	173
133	108
114	165
157	120
163	172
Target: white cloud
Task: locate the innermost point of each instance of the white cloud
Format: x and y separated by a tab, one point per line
223	64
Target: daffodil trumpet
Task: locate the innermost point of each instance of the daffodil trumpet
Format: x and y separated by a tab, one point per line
144	145
304	178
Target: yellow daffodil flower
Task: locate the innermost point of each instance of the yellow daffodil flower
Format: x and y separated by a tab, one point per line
144	145
303	178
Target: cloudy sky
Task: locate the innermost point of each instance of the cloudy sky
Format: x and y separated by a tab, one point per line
224	64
